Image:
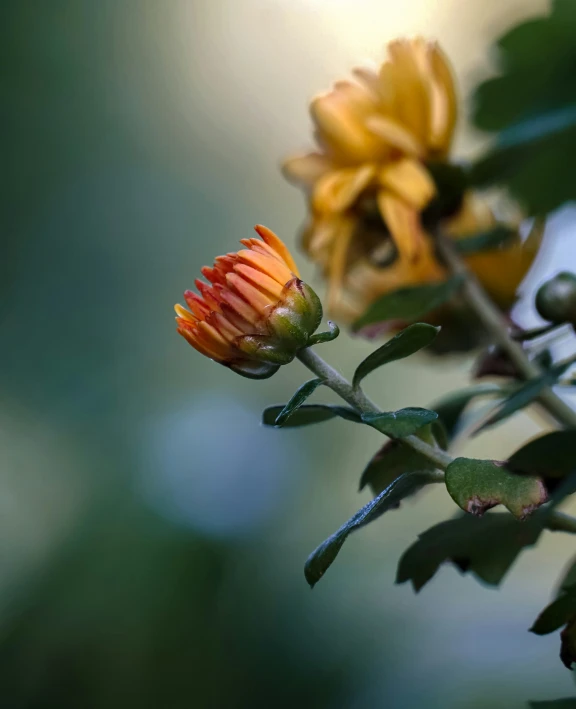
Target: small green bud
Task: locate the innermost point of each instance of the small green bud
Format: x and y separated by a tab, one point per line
556	299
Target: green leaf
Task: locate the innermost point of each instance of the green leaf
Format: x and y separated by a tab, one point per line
394	459
403	422
554	704
551	456
478	485
451	407
297	400
411	303
308	414
524	395
321	337
486	547
485	240
404	344
557	614
321	558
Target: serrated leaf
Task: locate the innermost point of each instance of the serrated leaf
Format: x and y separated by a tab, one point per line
299	397
322	558
404	422
404	344
308	414
478	485
554	704
551	456
486	547
394	459
557	614
451	407
410	303
485	240
524	395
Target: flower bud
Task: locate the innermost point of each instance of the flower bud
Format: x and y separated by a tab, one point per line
256	314
556	299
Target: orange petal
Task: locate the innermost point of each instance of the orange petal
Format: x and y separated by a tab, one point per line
410	180
228	331
338	190
239	305
255	297
395	135
208	335
237	320
213	275
306	169
271	287
208	294
184	314
403	221
274	242
192	338
196	304
272	266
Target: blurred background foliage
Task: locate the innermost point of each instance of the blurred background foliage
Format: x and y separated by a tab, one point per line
152	534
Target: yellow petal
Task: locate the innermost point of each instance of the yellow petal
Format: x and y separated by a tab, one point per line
306	169
395	135
337	265
403	221
276	243
410	180
338	190
444	102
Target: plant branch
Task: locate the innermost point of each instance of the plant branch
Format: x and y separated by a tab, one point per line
362	404
561	522
492	320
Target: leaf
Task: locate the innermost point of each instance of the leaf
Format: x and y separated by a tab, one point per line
404	344
394	459
554	704
557	614
297	400
410	303
524	395
451	407
321	337
486	547
403	422
551	456
485	240
478	485
321	558
308	414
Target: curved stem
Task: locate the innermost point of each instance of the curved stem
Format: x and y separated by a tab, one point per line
492	320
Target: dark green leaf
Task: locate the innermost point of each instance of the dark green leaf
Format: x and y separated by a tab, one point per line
451	407
551	456
321	337
297	400
485	240
308	414
569	578
554	704
404	344
486	547
524	395
557	614
411	303
477	485
394	459
322	557
403	422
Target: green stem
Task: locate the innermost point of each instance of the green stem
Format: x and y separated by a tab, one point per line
492	320
362	404
556	521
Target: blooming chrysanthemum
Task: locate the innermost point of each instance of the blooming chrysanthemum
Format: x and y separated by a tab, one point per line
373	184
255	313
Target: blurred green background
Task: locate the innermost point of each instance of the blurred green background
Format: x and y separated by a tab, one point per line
152	533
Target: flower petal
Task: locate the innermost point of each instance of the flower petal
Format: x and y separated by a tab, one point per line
403	221
444	102
252	295
271	287
306	169
395	135
338	190
275	243
267	264
337	264
410	180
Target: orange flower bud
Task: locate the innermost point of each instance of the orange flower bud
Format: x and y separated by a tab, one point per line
256	313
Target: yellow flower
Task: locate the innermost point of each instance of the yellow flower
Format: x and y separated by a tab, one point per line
371	188
256	314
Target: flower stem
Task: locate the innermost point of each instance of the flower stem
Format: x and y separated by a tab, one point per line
492	320
362	404
556	521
